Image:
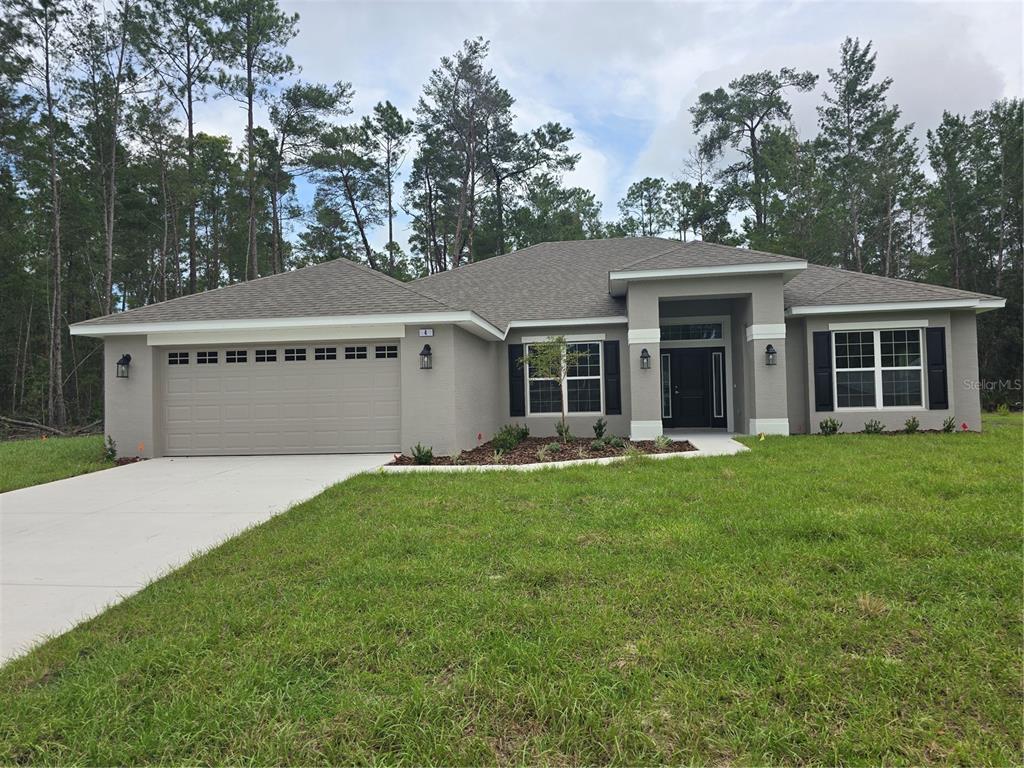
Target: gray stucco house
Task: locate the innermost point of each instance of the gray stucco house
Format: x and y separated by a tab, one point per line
329	358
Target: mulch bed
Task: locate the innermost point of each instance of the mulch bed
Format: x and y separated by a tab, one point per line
122	460
526	452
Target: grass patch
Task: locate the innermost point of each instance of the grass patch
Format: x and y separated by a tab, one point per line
31	462
854	599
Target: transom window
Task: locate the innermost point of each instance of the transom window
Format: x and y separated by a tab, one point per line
236	356
325	353
879	369
206	358
691	331
355	353
177	358
582	386
294	355
266	355
386	352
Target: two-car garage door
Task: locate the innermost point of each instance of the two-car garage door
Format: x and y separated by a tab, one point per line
315	397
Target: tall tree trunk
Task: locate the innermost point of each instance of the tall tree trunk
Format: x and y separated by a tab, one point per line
252	261
890	224
55	407
193	280
360	224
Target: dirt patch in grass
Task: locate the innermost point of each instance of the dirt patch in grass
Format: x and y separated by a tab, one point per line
539	450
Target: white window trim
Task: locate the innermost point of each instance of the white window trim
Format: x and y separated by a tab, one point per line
876	333
565	381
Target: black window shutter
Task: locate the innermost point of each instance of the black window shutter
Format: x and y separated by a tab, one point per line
938	394
516	381
612	379
823	371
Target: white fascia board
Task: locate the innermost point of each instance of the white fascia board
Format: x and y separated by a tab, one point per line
766	331
979	305
576	321
879	325
470	319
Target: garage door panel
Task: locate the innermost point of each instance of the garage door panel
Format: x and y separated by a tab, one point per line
311	406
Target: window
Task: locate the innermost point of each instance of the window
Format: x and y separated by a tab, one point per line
325	353
869	363
266	355
296	355
666	386
386	352
177	358
582	387
236	356
691	331
206	358
355	353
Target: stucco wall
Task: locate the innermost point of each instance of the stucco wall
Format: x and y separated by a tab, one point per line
428	397
581	426
961	367
796	363
130	406
477	388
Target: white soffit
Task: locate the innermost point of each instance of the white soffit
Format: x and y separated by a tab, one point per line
978	305
241	336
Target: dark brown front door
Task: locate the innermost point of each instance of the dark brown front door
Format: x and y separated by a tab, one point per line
693	387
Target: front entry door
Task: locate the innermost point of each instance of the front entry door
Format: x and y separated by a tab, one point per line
693	387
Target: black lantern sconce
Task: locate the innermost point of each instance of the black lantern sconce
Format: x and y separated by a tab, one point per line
122	366
426	358
645	359
771	357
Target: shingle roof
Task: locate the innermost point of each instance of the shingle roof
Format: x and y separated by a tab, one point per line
823	286
338	287
700	254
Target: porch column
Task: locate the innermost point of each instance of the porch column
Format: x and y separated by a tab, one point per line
644	385
766	324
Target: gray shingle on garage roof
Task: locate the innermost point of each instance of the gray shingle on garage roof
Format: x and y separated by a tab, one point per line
339	287
700	254
823	286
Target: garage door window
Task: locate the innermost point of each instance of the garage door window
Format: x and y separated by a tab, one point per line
236	356
295	355
386	352
206	358
266	355
325	353
355	353
177	358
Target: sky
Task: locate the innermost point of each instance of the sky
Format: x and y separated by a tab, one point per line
623	75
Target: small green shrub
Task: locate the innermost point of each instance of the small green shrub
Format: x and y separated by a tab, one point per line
662	442
497	456
632	452
616	442
911	425
873	427
554	447
422	454
542	453
509	436
1002	410
829	426
110	449
599	427
564	433
949	425
597	445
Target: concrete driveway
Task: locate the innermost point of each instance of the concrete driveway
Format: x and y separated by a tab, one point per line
70	548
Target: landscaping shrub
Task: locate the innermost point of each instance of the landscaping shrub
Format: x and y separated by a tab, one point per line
554	447
873	427
599	427
1003	409
597	445
662	441
829	426
509	436
564	433
911	425
422	454
616	442
110	449
949	425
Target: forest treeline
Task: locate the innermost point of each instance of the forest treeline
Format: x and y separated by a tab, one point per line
112	198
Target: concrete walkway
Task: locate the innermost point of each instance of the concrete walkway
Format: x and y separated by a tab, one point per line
710	442
69	549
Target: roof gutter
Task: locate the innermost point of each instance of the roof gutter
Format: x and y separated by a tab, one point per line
470	320
979	305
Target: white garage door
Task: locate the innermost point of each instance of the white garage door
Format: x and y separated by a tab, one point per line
322	397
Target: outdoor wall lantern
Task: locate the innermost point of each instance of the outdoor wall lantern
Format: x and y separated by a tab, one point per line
426	358
645	359
770	355
122	366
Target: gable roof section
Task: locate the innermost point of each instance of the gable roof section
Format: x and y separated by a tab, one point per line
335	288
700	254
819	286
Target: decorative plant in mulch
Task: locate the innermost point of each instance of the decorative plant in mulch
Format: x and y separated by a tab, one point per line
542	450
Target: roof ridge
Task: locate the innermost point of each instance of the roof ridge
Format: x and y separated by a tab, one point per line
642	259
404	285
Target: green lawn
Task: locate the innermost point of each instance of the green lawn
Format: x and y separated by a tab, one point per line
853	599
31	462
